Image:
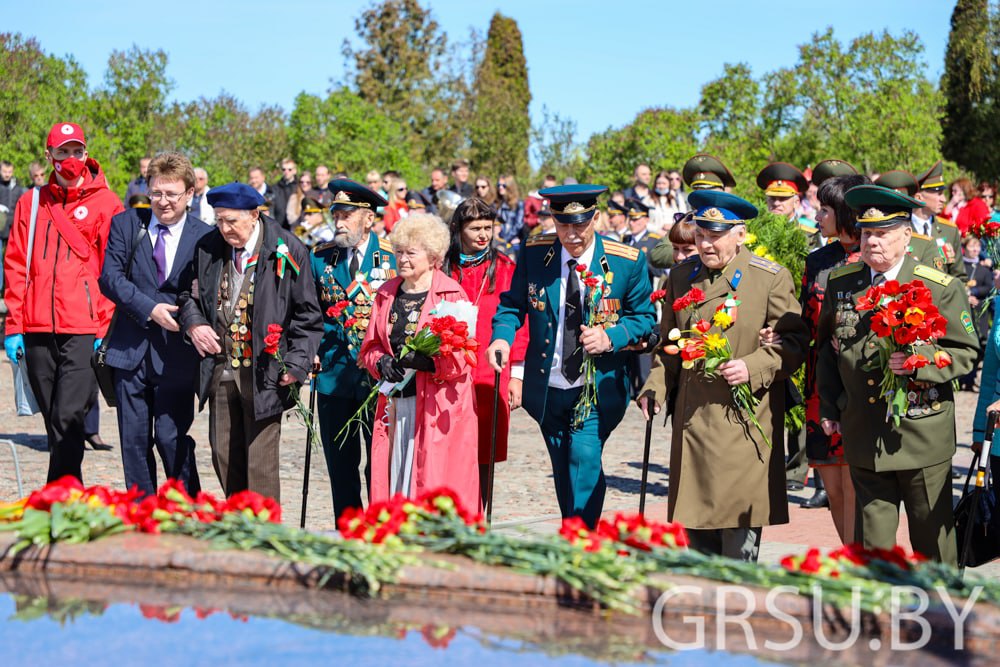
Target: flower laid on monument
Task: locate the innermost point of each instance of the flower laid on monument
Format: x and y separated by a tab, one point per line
710	348
904	318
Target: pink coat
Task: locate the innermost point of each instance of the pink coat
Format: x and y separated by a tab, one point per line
446	435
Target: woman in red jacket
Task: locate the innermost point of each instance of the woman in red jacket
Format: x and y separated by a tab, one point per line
966	209
485	274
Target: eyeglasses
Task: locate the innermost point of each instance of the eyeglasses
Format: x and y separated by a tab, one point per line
400	189
172	197
288	169
482	187
501	185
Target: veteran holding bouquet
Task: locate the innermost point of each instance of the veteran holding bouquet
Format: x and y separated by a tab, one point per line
420	345
586	299
347	271
727	481
892	336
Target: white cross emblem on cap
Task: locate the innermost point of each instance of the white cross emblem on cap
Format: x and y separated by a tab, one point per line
66	129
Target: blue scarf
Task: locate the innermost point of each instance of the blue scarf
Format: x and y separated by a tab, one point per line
470	260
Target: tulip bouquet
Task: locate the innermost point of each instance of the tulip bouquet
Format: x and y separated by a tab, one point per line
903	316
596	287
710	348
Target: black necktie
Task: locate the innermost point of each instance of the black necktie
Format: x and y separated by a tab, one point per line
572	353
878	279
355	264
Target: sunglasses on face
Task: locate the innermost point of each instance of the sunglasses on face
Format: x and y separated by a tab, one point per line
501	185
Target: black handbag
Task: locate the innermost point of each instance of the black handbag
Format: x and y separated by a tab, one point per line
104	373
977	524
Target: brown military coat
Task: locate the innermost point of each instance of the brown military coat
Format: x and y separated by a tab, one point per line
722	472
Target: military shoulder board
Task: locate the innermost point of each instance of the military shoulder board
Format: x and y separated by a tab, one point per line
944	221
847	269
385	244
655	236
932	275
621	250
323	246
921	236
765	264
540	239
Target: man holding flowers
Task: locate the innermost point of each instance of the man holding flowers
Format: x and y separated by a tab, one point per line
892	336
586	299
727	481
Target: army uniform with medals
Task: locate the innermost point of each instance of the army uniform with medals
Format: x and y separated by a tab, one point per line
341	385
781	180
909	463
553	367
943	234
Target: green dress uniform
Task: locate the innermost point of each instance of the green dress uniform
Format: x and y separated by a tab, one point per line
625	312
723	475
341	385
909	463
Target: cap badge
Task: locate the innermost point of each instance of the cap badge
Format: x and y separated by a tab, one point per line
713	214
873	214
573	207
342	197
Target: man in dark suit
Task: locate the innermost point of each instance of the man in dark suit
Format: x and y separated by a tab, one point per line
249	274
154	367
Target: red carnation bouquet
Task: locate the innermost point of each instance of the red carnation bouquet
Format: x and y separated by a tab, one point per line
988	233
450	335
596	287
272	346
903	316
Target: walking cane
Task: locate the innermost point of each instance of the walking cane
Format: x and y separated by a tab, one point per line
991	423
493	442
309	446
645	459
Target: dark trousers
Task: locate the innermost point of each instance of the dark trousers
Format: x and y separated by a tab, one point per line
64	384
92	422
343	457
244	448
155	412
577	469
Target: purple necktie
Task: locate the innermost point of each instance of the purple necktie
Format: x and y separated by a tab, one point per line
160	254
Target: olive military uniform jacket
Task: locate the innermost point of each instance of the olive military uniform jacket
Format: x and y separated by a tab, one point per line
722	472
848	374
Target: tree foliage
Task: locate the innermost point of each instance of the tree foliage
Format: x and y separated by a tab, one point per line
971	83
501	126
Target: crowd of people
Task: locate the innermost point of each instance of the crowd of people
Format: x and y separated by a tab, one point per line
236	296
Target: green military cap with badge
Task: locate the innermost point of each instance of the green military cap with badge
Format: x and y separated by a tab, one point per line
614	208
899	180
348	194
933	178
706	172
831	169
636	209
780	179
879	207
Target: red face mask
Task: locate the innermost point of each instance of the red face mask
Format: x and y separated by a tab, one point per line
71	168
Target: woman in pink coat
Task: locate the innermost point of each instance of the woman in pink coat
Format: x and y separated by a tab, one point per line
426	433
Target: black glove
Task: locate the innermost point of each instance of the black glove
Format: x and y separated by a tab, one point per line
390	369
417	361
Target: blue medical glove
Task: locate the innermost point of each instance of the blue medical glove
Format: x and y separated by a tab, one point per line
97	343
11	344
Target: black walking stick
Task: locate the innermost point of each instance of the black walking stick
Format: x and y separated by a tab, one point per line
984	453
309	446
493	442
645	457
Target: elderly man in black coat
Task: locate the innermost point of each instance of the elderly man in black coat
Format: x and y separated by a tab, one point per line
249	274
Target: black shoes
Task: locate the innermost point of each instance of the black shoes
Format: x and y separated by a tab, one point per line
819	499
794	485
97	444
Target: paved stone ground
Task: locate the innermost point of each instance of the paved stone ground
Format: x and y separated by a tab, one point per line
524	496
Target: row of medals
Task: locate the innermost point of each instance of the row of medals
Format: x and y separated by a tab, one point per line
239	330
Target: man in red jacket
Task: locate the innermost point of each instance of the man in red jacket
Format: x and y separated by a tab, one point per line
57	314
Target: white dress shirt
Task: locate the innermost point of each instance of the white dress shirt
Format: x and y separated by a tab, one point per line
172	240
556	378
891	273
243	256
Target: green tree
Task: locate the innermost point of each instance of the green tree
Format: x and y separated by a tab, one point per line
555	146
126	110
970	84
501	126
404	67
36	91
662	138
348	134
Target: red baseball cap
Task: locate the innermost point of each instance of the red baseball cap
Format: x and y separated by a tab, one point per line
63	133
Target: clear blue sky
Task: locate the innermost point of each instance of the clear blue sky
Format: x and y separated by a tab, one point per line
599	63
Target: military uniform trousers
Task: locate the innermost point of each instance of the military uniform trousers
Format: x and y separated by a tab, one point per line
926	492
156	412
343	457
244	448
577	469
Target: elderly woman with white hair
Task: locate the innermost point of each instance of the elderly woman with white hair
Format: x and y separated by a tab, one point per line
426	435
